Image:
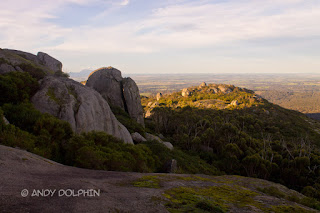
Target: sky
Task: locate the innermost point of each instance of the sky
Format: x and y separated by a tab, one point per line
168	36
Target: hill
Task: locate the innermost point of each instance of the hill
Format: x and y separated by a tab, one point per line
133	192
239	133
213	129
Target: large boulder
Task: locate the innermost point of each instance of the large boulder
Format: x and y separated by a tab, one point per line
203	84
84	108
151	137
225	89
171	166
118	91
136	137
186	92
107	81
16	60
50	62
132	100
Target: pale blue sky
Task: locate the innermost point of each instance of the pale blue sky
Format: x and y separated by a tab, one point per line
168	36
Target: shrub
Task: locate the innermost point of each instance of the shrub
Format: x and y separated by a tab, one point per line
17	87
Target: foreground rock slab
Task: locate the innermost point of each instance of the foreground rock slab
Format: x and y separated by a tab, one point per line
119	191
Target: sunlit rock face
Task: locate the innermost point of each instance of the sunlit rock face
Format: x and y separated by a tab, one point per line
84	108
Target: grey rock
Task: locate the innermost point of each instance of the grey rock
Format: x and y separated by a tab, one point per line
203	84
215	90
18	69
42	60
16	57
225	89
168	145
161	136
50	62
171	166
6	68
5	120
118	91
149	112
132	100
186	92
159	95
151	137
136	137
81	106
107	81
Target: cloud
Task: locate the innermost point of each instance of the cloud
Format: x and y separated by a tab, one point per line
125	2
198	25
177	26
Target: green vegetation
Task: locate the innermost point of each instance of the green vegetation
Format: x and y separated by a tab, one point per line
148	182
124	118
273	191
221	198
51	94
255	138
211	136
17	87
52	138
35	71
209	199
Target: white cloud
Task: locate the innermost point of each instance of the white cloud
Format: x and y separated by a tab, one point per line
194	25
125	2
179	25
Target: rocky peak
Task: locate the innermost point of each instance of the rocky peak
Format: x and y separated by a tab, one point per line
203	84
118	91
211	88
107	72
16	60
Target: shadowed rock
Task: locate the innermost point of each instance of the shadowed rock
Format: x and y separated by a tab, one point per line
171	166
50	62
136	137
6	68
151	137
132	100
118	91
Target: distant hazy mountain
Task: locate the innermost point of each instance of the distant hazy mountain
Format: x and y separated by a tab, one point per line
82	74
